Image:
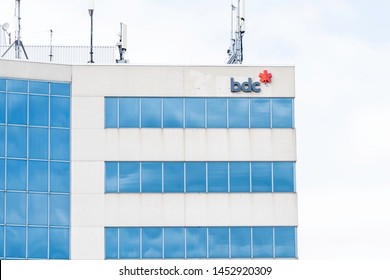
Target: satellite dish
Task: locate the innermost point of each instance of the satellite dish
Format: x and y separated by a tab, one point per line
5	26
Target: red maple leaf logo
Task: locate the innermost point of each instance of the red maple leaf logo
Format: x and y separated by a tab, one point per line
265	77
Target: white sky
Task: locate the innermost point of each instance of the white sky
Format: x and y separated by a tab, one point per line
341	50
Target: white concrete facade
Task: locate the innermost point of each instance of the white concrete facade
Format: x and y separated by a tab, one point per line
92	145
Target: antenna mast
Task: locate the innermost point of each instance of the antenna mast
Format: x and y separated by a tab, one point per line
122	44
17	43
235	51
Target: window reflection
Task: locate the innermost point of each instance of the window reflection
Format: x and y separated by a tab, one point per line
173	177
17	86
39	87
60	112
195	177
111	243
282	113
240	242
151	177
16	175
218	242
152	242
111	112
39	110
129	243
260	113
17	108
112	177
196	242
217	176
38	143
284	242
262	242
129	177
37	209
238	112
195	112
17	142
59	144
239	177
261	177
2	107
15	242
128	112
173	112
151	112
283	177
59	243
37	176
59	210
60	177
173	242
60	89
37	242
216	112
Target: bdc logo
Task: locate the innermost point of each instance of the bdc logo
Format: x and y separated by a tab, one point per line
250	86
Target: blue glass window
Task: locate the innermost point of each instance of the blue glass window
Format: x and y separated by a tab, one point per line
17	142
216	112
262	242
17	109
16	208
37	242
2	174
239	177
60	177
260	113
59	144
15	242
59	243
37	209
217	176
60	112
16	175
174	242
219	242
39	110
195	112
60	89
38	143
195	177
129	177
128	112
2	85
2	141
59	210
240	242
151	177
111	243
111	177
261	177
196	242
1	242
151	112
283	177
129	243
111	108
173	177
37	176
284	242
173	112
152	243
2	209
2	107
238	112
282	113
39	87
17	86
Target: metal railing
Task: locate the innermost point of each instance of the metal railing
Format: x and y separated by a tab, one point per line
64	54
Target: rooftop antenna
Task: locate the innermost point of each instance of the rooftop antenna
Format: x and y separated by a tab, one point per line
51	46
4	28
235	51
122	44
17	43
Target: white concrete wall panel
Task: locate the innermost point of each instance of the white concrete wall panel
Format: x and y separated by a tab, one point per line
87	243
21	69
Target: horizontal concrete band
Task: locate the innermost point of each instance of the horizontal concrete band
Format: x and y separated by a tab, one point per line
183	145
184	210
